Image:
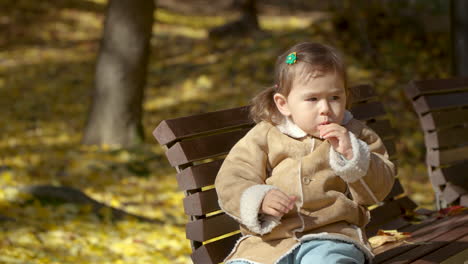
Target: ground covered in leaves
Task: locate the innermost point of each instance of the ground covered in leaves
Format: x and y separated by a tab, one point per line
47	58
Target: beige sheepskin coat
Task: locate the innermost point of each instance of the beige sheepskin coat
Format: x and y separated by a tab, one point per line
332	192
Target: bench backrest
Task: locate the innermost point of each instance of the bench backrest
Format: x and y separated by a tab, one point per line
442	108
196	146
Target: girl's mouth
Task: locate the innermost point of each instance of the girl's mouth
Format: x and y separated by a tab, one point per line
325	123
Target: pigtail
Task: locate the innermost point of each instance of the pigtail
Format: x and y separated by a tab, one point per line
263	106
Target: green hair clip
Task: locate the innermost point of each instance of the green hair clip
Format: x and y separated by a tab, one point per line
291	59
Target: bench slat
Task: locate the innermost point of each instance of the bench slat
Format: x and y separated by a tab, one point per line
201	203
171	130
361	93
215	252
447	138
383	214
211	227
202	148
455	174
430	229
390	210
436	158
437	242
439	102
434	120
444	253
423	87
394	224
383	128
368	111
199	176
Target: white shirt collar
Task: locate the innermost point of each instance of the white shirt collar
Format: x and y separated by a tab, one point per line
288	127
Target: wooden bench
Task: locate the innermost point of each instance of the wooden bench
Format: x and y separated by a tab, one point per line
196	146
442	108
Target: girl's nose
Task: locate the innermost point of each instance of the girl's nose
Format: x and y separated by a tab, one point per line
324	108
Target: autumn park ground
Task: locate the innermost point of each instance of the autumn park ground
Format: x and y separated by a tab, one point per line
47	59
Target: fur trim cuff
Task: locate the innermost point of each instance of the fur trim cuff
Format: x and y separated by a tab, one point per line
250	203
354	169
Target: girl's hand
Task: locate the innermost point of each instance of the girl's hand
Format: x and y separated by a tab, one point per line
338	137
277	203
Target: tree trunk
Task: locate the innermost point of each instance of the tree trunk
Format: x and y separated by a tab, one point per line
116	111
249	12
459	28
247	23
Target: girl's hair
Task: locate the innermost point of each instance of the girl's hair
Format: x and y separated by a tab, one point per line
310	58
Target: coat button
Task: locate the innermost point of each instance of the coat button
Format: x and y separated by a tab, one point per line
306	180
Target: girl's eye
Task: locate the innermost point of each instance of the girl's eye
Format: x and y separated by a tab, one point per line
334	98
312	99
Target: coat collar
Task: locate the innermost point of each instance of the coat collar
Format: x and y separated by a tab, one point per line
288	127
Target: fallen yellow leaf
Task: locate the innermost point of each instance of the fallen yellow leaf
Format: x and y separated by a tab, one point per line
385	236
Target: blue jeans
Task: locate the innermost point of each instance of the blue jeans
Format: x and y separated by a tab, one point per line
321	251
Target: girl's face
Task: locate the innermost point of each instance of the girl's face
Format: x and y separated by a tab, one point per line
314	100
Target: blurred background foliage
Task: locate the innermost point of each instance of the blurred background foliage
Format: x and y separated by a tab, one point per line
48	52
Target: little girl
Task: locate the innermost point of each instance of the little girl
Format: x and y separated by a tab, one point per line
300	180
